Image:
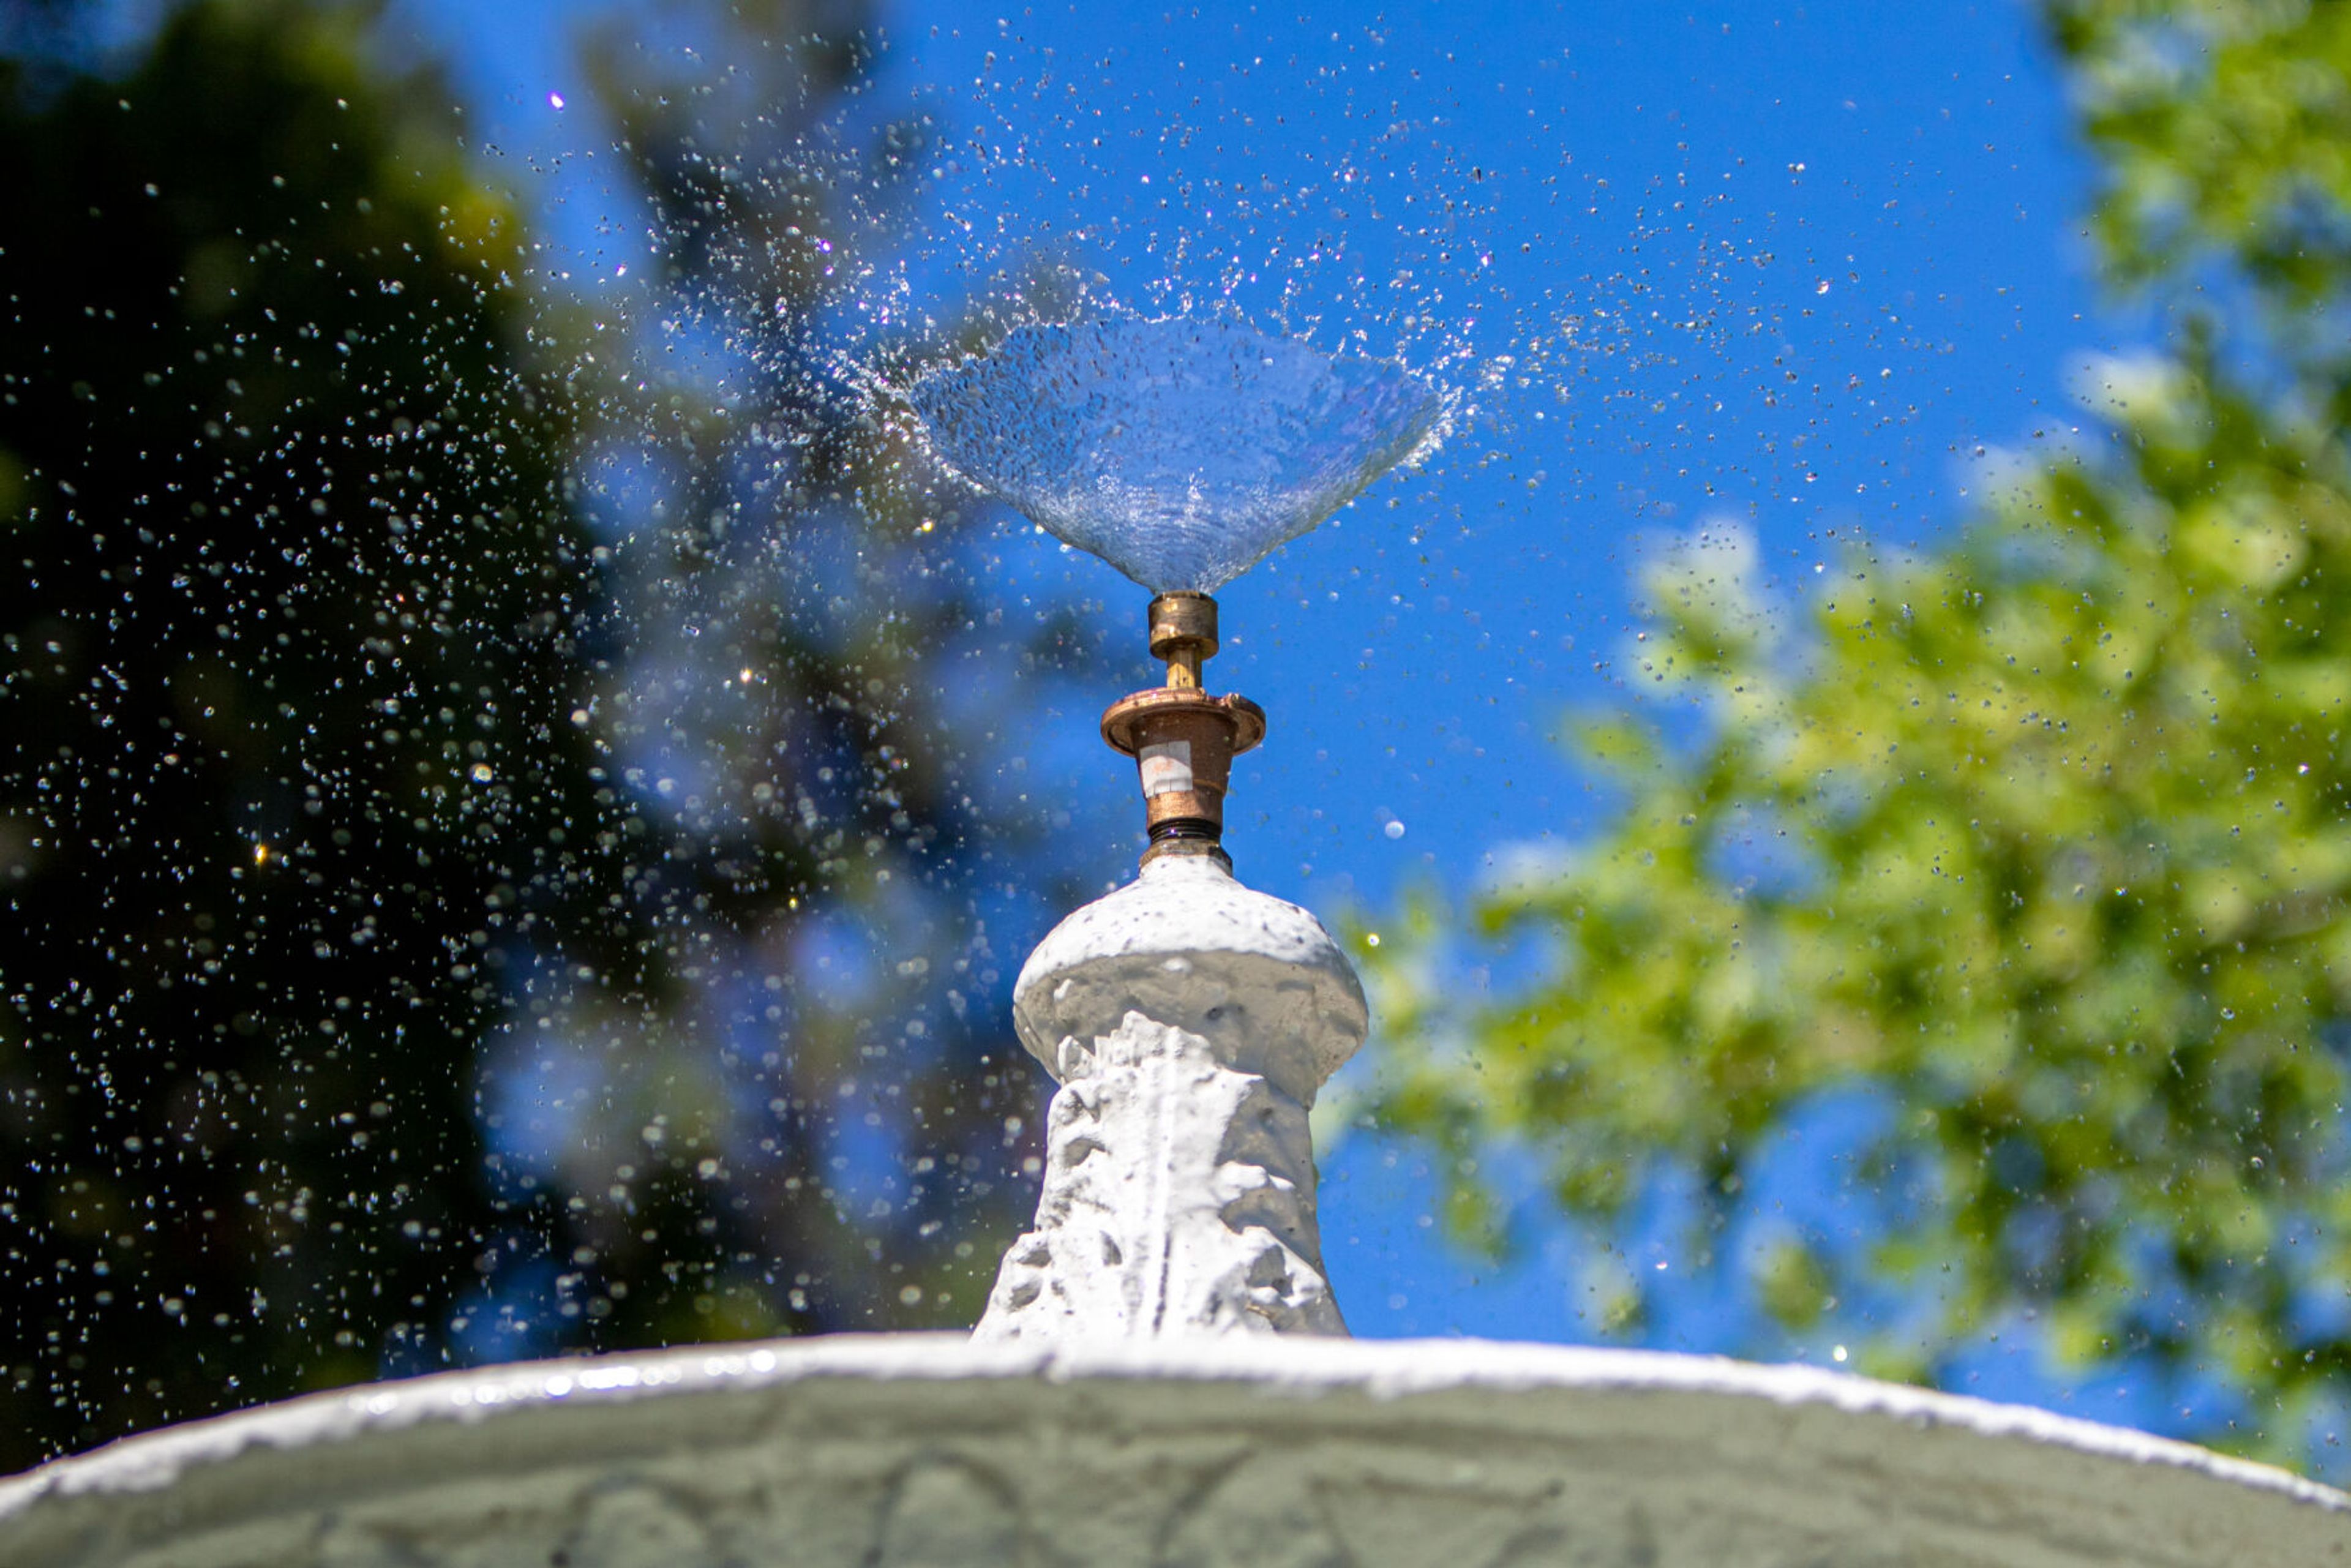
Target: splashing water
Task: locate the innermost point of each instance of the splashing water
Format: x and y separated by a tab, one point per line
1179	451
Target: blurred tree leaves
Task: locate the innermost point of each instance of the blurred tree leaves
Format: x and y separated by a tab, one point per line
800	636
2041	837
459	898
2225	132
283	634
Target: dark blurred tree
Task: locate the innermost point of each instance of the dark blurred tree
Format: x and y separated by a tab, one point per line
287	629
2043	839
373	998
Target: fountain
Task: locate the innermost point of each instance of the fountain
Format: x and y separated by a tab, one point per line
1189	1020
1123	1399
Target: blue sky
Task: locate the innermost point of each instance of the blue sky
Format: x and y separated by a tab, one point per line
1793	276
1780	273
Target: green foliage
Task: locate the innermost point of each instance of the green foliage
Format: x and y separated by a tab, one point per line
2041	836
2225	130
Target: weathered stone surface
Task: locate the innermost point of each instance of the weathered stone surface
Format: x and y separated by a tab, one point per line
915	1450
1190	1021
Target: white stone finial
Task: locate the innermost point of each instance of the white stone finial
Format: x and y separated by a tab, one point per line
1190	1021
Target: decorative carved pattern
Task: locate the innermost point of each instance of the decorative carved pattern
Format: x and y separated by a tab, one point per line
1323	1506
1190	1021
1178	1199
949	1513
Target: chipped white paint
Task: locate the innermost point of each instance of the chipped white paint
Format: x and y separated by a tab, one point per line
905	1450
1190	1021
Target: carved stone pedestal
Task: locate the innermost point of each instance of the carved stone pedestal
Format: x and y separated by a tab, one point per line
1189	1022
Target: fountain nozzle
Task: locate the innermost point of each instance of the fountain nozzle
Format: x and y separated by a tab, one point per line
1182	739
1183	632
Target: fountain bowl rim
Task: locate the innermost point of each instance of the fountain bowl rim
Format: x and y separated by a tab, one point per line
1383	1372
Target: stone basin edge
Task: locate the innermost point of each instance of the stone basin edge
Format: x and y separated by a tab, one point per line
1381	1370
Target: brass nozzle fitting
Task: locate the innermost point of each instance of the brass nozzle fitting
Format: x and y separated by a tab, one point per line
1182	739
1183	632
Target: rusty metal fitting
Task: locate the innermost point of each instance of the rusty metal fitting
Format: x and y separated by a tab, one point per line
1183	742
1183	632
